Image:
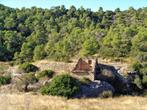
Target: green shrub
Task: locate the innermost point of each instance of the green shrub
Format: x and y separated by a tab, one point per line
39	52
137	81
144	80
29	77
106	94
27	67
25	80
136	66
5	80
62	85
44	90
141	78
48	73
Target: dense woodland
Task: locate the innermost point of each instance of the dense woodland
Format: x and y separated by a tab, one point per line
31	34
60	33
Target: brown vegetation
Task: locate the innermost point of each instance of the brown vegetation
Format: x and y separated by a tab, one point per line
37	102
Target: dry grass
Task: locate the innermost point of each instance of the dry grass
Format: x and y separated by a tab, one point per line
3	67
38	102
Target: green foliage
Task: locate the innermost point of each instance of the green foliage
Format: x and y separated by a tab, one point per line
29	77
45	73
39	52
144	80
117	41
141	79
62	85
25	80
139	45
5	80
138	82
89	47
27	67
137	66
44	90
60	33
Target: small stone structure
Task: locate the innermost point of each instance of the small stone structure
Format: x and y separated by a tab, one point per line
103	72
82	66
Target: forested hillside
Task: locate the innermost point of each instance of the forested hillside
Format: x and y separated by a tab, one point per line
60	34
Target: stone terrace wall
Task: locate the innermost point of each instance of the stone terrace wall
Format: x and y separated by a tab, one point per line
56	66
68	67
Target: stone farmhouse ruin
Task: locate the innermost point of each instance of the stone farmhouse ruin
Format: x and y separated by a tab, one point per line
102	72
82	66
95	69
102	76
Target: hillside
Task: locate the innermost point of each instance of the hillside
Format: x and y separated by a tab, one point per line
31	34
60	34
39	48
67	67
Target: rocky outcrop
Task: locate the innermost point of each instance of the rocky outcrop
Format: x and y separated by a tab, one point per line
94	89
109	74
34	87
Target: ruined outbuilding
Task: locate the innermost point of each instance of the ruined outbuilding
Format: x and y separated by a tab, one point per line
109	74
102	72
82	66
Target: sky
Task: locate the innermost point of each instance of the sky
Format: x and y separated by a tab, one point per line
92	4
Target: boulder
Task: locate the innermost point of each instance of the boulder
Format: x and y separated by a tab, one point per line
94	89
34	87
